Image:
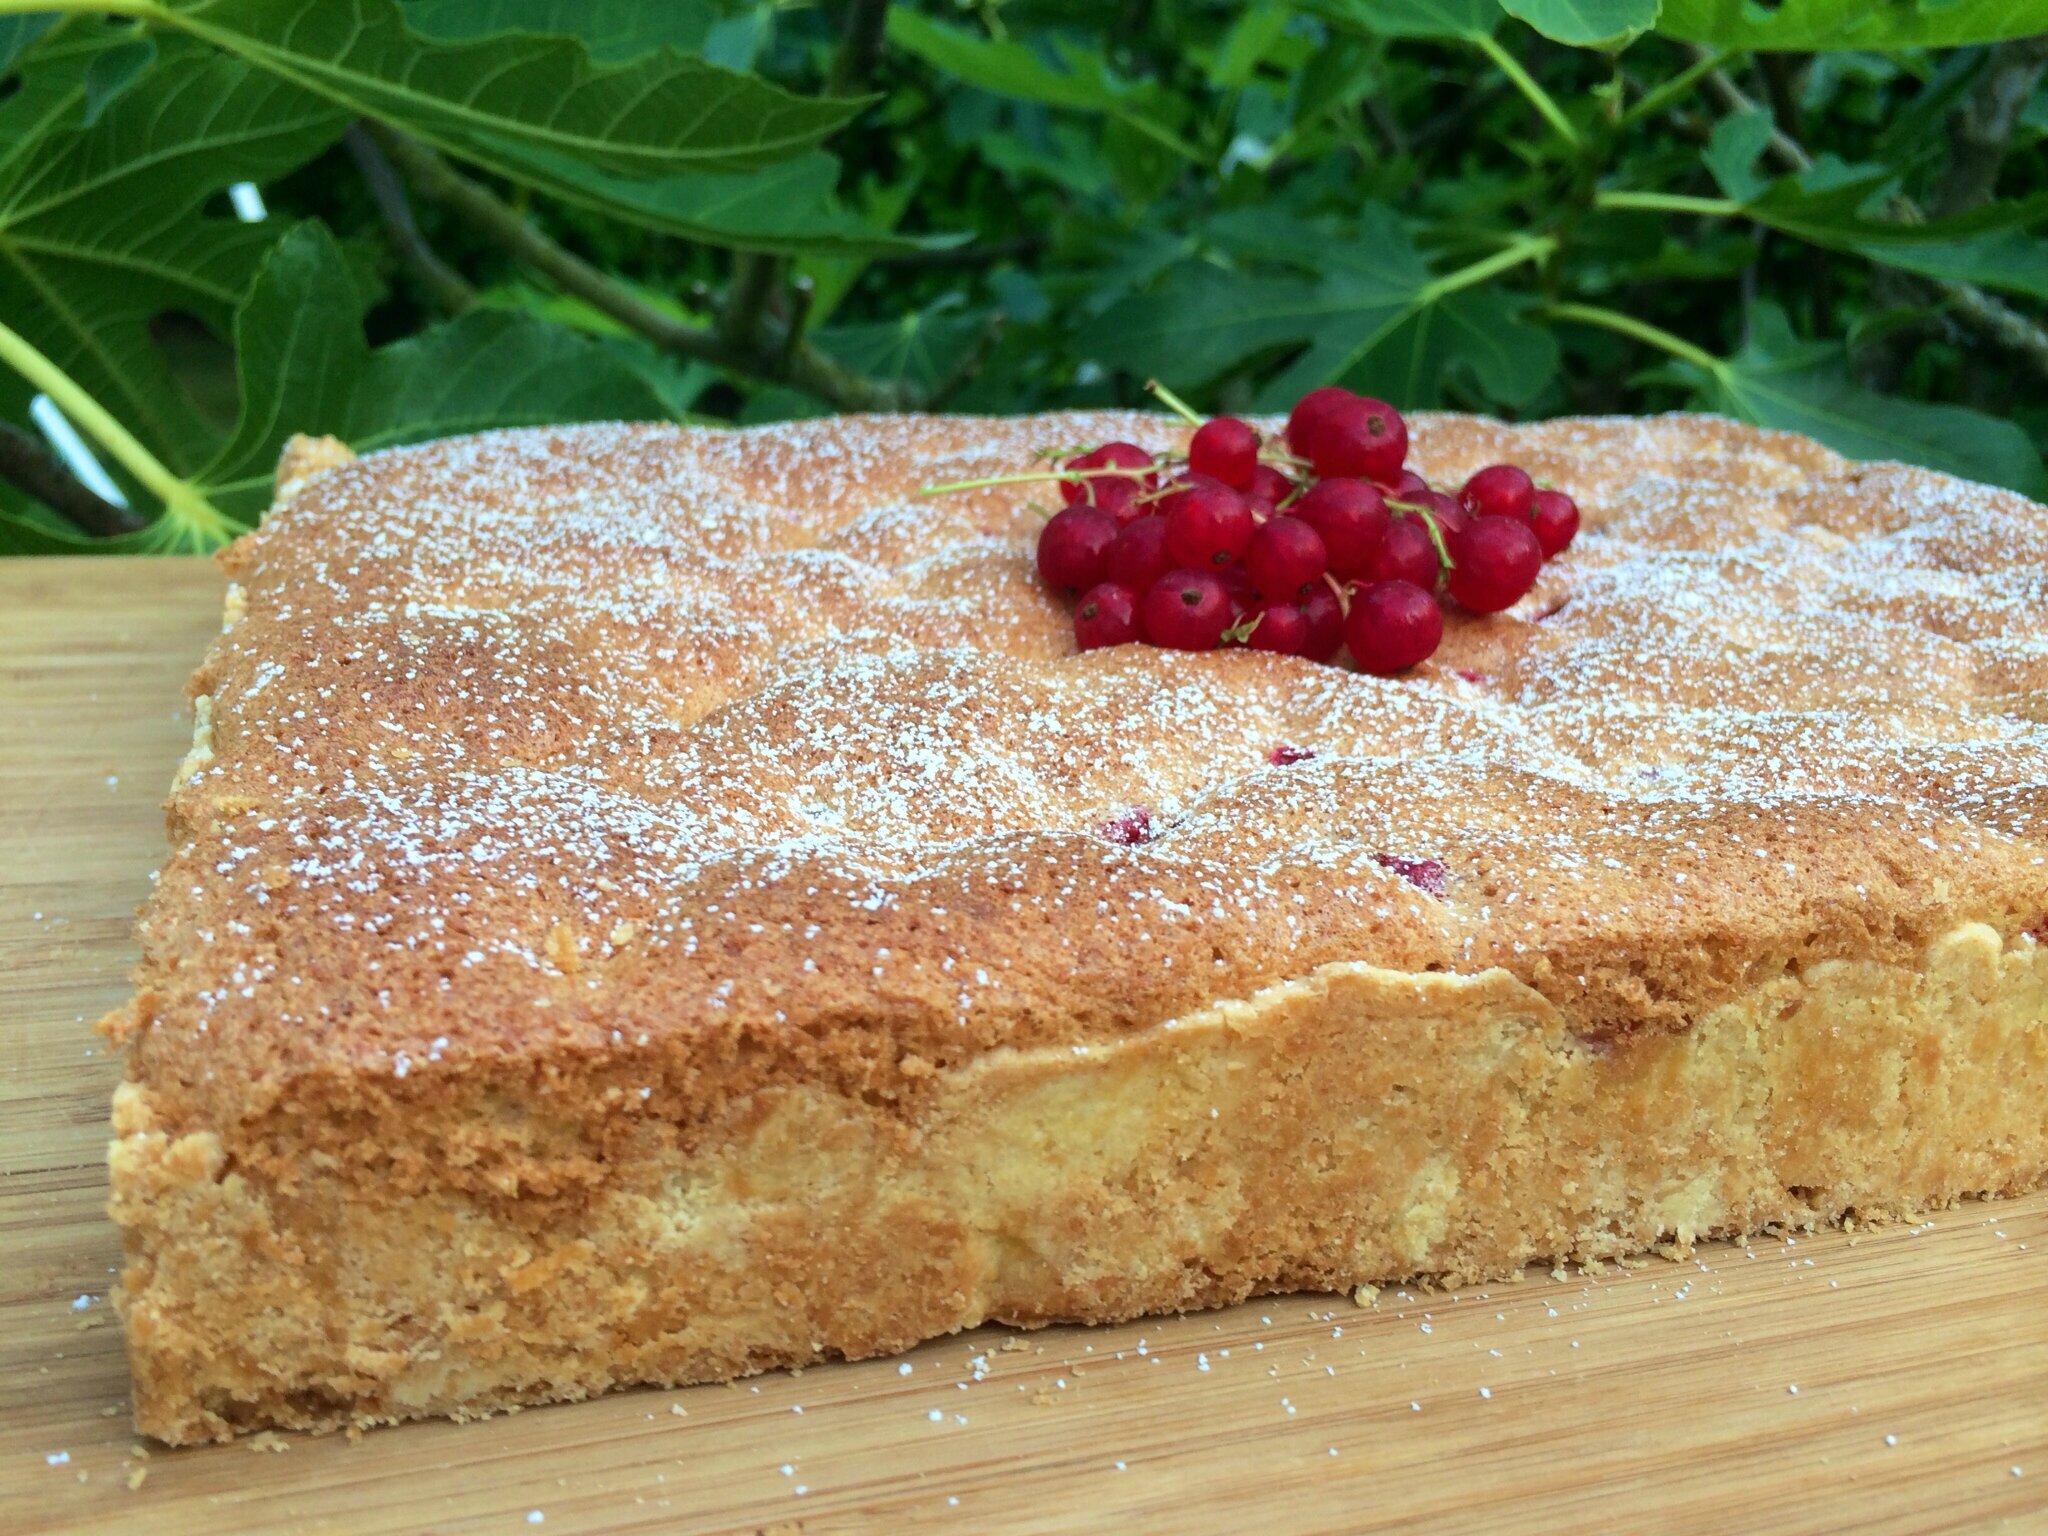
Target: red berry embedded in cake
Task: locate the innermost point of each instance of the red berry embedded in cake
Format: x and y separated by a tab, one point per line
1286	555
1138	557
1128	828
1186	610
1073	547
1499	490
1283	755
1407	555
1107	615
1555	518
1352	518
1359	438
1426	875
1494	562
1392	626
1226	448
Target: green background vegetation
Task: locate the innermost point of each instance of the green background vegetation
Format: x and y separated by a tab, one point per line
1822	216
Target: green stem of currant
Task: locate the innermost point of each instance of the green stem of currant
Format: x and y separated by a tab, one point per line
1241	631
1172	402
1036	476
1427	518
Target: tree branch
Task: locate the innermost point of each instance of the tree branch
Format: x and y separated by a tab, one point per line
1782	146
448	287
754	279
758	357
28	465
1990	318
860	48
1998	322
1981	127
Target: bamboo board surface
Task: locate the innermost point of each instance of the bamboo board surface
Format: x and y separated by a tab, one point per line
1887	1381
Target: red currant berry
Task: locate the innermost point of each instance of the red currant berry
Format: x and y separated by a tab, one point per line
1208	525
1244	597
1138	557
1359	439
1499	490
1285	756
1555	517
1308	415
1494	561
1268	485
1450	517
1107	491
1325	617
1352	518
1392	626
1410	487
1073	547
1226	448
1285	556
1187	611
1408	555
1107	615
1282	628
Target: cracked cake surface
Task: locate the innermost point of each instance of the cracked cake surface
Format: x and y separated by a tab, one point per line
638	771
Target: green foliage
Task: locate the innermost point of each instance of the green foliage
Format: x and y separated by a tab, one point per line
306	368
715	207
103	221
1813	25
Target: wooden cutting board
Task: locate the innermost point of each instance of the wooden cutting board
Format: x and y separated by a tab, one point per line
1875	1382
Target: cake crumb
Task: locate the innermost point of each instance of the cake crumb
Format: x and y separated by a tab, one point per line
1364	1295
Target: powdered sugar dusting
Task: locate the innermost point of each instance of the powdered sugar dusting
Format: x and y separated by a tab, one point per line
621	733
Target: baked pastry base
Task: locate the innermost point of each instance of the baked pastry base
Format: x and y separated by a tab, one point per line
1357	1125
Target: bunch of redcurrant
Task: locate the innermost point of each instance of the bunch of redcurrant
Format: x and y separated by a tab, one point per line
1324	544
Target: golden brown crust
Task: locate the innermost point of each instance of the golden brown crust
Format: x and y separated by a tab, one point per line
1356	1126
565	787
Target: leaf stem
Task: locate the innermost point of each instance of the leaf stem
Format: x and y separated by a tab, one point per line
1628	325
1173	402
1669	202
1522	81
1677	86
180	498
1527	248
